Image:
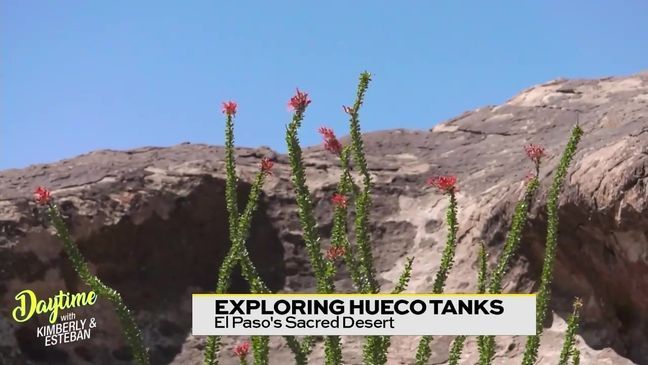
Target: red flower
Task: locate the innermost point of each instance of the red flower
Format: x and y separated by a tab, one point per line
299	102
229	108
266	166
334	252
535	152
333	146
242	349
326	132
339	200
42	195
331	142
446	184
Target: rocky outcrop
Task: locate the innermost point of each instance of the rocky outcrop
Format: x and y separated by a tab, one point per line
152	223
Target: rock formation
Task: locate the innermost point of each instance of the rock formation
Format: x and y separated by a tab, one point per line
152	223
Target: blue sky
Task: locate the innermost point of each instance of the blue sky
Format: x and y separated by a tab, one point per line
83	75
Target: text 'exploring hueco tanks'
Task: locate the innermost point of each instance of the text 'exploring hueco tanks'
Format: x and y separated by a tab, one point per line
366	315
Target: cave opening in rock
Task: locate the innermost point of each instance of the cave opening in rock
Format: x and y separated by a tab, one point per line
586	266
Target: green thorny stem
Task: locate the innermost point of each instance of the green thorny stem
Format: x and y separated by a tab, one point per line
482	275
544	291
129	327
423	352
305	204
514	236
575	357
363	201
373	349
569	349
300	350
339	235
324	280
401	285
482	278
404	278
520	216
339	238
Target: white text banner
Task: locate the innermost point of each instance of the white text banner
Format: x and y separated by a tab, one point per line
367	315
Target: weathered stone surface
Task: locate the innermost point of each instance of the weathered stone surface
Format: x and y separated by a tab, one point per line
152	223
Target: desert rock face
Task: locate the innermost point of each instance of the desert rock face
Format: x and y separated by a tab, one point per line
152	222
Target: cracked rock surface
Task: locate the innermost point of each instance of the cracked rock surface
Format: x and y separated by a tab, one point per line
152	223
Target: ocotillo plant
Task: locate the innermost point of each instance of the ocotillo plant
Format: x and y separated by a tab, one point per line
356	255
544	291
129	327
520	215
486	344
447	185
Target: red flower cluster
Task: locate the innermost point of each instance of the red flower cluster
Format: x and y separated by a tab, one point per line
535	152
266	166
446	184
331	142
229	108
334	252
42	195
242	349
299	102
339	200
